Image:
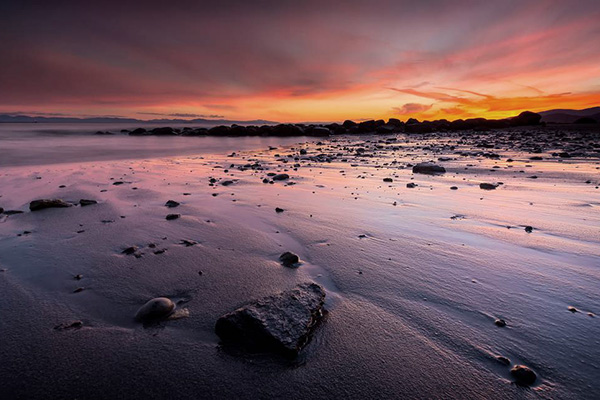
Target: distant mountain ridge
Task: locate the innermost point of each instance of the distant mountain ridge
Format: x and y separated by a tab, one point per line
5	118
566	116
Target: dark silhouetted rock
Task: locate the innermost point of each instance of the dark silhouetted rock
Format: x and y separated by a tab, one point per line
410	185
279	210
487	186
171	203
529	229
155	309
523	375
388	180
166	131
281	323
280	177
428	168
138	132
87	202
287	130
171	217
41	204
289	259
348	124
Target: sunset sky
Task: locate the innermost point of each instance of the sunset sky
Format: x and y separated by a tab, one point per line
299	60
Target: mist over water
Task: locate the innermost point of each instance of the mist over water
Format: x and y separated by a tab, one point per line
55	143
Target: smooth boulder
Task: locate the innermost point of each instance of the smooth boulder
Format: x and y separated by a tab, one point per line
523	375
155	309
41	204
281	323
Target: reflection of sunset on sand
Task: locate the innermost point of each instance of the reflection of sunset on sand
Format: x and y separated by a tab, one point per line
417	279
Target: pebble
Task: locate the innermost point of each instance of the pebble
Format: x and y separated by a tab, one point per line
155	309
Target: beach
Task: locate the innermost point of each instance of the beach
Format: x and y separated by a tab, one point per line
417	269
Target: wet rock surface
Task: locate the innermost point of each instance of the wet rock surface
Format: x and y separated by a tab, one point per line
281	323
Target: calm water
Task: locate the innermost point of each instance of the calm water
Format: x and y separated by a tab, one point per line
52	143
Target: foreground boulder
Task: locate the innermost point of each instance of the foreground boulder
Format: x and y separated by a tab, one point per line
428	168
155	309
280	323
41	204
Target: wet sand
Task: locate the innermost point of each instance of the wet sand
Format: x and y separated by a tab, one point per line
415	277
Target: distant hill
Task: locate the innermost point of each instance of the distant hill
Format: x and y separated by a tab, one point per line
4	118
565	116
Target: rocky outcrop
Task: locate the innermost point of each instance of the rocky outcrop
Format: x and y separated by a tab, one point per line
281	323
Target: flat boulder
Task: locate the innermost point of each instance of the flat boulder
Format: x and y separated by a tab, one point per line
428	168
280	323
41	204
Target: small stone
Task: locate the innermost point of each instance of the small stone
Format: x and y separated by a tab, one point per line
171	217
453	187
155	309
41	204
79	289
572	309
280	177
227	183
130	250
523	375
428	168
388	180
500	322
289	259
410	185
69	326
86	202
529	229
487	186
172	203
78	277
279	210
503	360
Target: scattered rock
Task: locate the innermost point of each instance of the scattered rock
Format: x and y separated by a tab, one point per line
388	180
155	309
500	322
503	360
188	242
172	203
280	177
572	309
227	183
130	250
86	202
281	323
289	259
487	186
171	217
523	375
453	187
428	168
411	185
12	212
529	229
79	289
41	204
279	210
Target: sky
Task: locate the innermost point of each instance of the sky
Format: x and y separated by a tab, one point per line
298	60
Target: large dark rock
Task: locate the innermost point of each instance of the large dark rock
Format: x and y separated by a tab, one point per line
41	204
280	323
281	177
287	130
348	124
318	131
428	168
523	375
166	131
138	132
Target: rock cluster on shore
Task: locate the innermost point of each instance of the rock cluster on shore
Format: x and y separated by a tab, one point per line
393	125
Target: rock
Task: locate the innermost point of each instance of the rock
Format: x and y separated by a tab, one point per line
280	177
388	180
500	322
428	168
529	229
130	250
453	187
138	132
171	217
487	186
411	185
68	326
503	360
572	309
171	203
318	131
526	118
281	323
41	204
166	131
155	309
12	212
85	202
1	210
523	375
279	210
289	259
227	183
